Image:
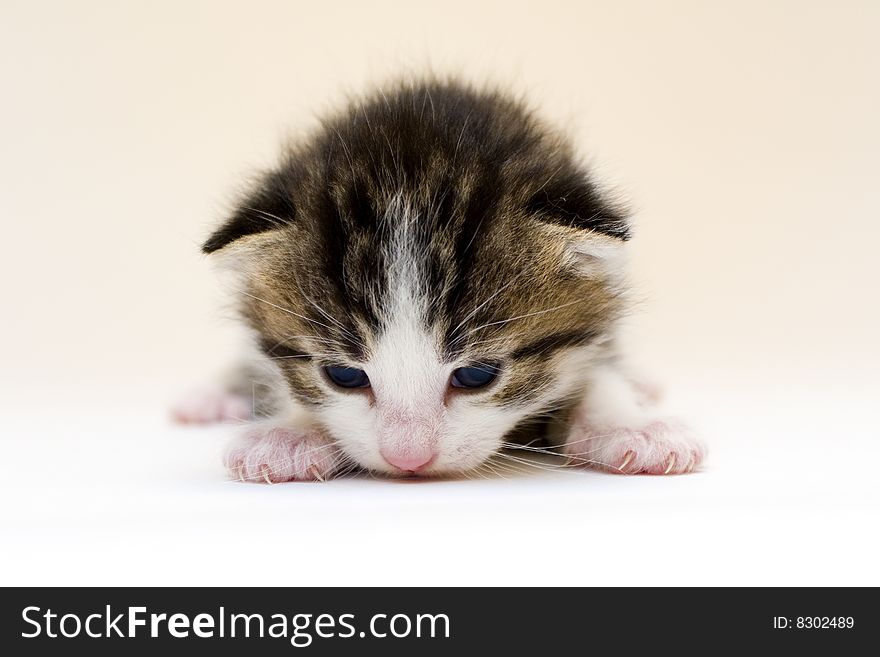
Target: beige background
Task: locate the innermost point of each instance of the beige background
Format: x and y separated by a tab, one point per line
746	135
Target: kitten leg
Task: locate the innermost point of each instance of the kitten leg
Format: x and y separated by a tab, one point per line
614	428
212	404
249	391
278	449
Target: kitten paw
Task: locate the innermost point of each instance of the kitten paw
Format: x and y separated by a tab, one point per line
662	447
273	454
211	405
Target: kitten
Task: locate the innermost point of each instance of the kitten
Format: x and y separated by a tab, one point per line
429	277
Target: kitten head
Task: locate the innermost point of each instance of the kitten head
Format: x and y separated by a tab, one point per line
427	271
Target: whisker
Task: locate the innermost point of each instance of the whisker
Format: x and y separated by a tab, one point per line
277	221
556	468
479	307
316	338
283	309
532	314
329	317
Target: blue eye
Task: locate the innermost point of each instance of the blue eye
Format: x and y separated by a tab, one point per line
474	377
347	377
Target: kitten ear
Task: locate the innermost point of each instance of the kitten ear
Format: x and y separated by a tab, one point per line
574	201
268	207
591	229
596	255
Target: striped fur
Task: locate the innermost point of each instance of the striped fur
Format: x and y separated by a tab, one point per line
424	228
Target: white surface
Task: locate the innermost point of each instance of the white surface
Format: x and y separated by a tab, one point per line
789	496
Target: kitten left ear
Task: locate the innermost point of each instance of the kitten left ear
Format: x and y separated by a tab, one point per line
268	207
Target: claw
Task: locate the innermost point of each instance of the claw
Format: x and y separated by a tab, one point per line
670	463
265	472
313	470
628	457
241	473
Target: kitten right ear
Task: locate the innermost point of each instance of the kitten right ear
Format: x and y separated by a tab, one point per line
268	207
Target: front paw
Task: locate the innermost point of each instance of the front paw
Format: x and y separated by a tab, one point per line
274	454
661	447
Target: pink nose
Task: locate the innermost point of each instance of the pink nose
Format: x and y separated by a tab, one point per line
410	462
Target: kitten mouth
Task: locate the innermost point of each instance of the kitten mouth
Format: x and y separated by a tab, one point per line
425	472
423	477
413	476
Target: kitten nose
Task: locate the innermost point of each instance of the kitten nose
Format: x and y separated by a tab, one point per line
411	462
